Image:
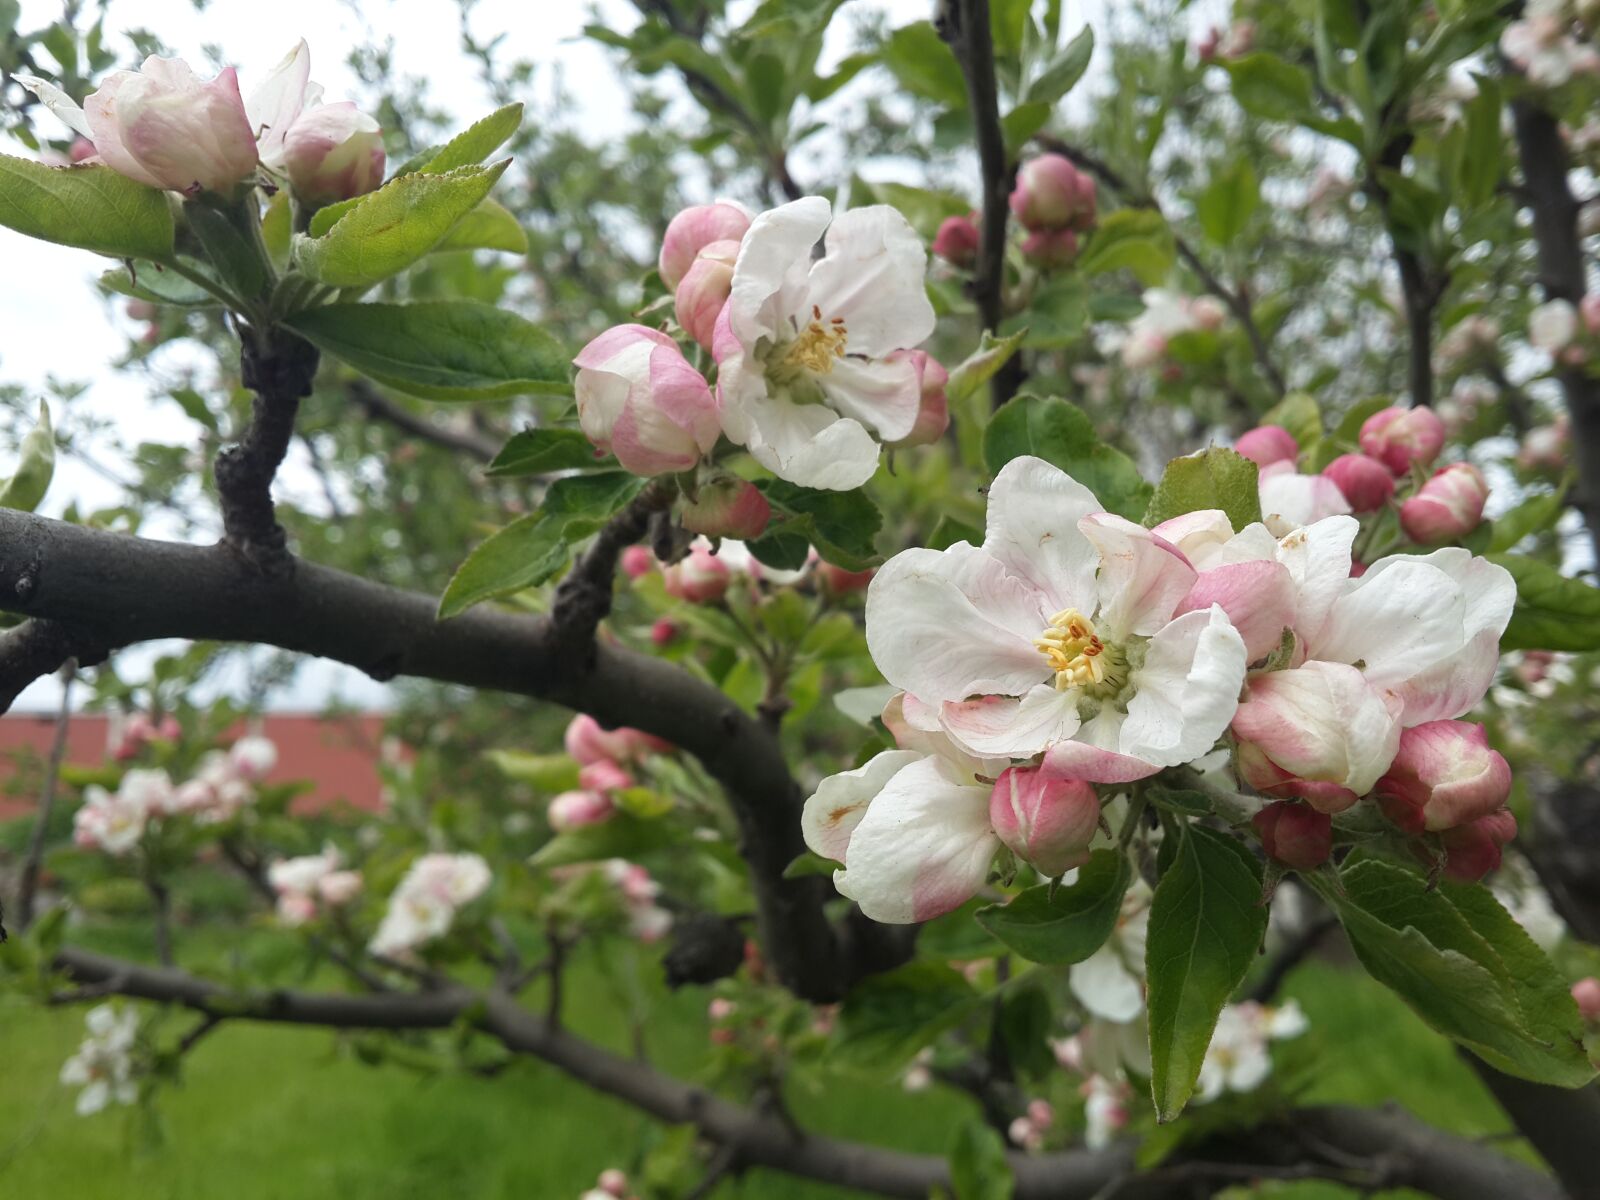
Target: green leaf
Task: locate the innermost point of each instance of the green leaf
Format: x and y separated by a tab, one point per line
490	226
153	282
1229	201
1206	924
919	58
1070	925
1483	154
1021	123
36	465
925	208
1269	87
441	349
393	227
1137	239
1299	415
1553	611
623	836
979	367
1413	939
1062	72
841	525
781	548
807	863
1060	433
1533	515
90	207
979	1169
234	255
541	451
475	143
1212	478
887	1018
547	772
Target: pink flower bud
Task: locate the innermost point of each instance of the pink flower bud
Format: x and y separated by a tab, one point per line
721	1008
604	776
1448	506
1041	1113
167	128
691	231
728	507
1049	249
296	909
1473	850
638	561
1589	311
957	240
338	888
333	152
1266	777
1586	994
588	742
1365	482
1296	835
613	1182
639	398
1444	775
1268	444
836	581
1207	312
574	810
704	289
933	418
168	730
81	150
1051	193
1043	819
701	578
1206	48
1401	437
664	632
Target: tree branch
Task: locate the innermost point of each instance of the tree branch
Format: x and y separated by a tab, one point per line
1563	1125
28	886
583	598
964	24
125	589
1328	1142
467	442
36	648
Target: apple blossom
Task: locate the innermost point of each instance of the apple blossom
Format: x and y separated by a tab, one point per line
805	374
333	152
1166	315
1050	249
1105	1110
702	577
1472	850
647	920
1290	501
727	507
1051	193
638	561
1268	444
587	741
1553	326
338	888
1046	821
102	1065
1365	482
1541	45
1294	834
957	240
639	399
703	290
424	904
1471	337
1444	775
604	776
613	1182
691	231
575	809
1237	1059
253	757
1448	506
113	822
933	416
1400	438
1545	446
1586	994
1110	982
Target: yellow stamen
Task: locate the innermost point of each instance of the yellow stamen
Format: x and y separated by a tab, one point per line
817	345
1075	654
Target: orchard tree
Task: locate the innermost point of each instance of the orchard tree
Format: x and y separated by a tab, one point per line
993	671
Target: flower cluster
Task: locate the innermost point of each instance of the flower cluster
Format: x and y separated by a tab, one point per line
1237	1059
1052	201
647	920
1074	648
312	884
814	362
1167	315
1548	44
1569	334
604	757
103	1064
424	906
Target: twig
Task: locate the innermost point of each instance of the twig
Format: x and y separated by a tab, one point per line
193	1038
463	441
1290	955
162	900
583	598
35	648
29	885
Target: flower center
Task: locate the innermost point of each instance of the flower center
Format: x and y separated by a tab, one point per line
813	349
1078	656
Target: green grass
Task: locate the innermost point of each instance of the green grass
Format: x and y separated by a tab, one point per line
274	1113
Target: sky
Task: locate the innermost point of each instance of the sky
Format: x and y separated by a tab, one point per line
60	324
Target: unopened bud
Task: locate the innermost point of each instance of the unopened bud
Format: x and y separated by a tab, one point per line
1448	506
1443	775
691	231
728	507
1473	850
1365	482
574	810
613	1182
1296	835
604	776
704	288
1268	444
701	578
957	240
333	152
638	561
1050	249
664	632
1586	994
933	417
639	399
1045	820
1051	193
1402	437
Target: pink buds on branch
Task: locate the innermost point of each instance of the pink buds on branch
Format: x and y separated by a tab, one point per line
1295	835
728	507
1400	438
333	152
691	231
1365	482
1443	775
1051	193
933	418
639	398
1045	820
1268	444
957	241
1448	506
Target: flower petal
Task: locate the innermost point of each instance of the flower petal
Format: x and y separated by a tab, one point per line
1142	576
277	100
808	444
1034	510
922	849
1259	598
1007	727
770	272
1397	621
58	102
1186	691
871	275
1324	722
835	809
948	624
1104	985
885	395
1317	558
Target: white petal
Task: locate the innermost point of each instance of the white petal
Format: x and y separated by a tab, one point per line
1290	500
277	100
1034	510
1200	535
1142	577
948	624
871	275
769	274
93	1098
882	394
1318	560
1397	621
1187	689
809	444
840	801
1006	727
1105	986
922	849
65	108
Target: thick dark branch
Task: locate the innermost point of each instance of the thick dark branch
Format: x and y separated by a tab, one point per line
1563	1125
1331	1142
28	887
1420	289
1234	300
378	406
278	367
133	589
965	25
1561	274
39	647
583	598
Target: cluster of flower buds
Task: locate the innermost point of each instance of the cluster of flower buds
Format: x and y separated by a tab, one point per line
1167	315
1055	203
603	757
312	884
129	736
1568	333
1030	1129
424	905
1549	45
648	921
1222	45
